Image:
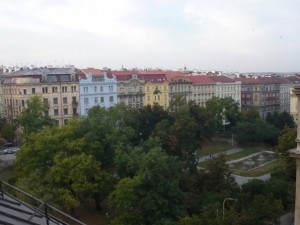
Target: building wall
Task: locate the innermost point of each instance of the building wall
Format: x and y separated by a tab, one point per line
59	95
293	105
285	90
232	90
131	92
157	93
97	90
201	93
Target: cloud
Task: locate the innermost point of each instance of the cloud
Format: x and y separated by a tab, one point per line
165	33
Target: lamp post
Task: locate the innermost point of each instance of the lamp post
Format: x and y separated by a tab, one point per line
229	199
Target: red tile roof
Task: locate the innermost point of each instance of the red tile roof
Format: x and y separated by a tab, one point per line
202	79
155	78
222	79
173	74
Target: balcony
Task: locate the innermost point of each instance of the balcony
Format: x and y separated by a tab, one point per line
74	103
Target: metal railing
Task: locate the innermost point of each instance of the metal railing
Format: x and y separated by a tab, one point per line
38	207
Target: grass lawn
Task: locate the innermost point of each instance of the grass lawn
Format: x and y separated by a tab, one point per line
267	168
241	154
213	147
7	173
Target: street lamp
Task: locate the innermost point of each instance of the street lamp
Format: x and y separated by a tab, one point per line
229	199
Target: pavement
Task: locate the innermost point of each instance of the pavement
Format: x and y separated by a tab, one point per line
239	179
7	160
230	151
286	219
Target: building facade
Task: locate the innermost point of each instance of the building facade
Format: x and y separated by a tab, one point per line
203	89
131	90
265	94
57	86
96	89
156	89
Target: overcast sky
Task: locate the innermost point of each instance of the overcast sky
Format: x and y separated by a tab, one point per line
226	35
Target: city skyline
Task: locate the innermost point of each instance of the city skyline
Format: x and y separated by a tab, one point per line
243	36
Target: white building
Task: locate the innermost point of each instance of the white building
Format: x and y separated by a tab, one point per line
96	89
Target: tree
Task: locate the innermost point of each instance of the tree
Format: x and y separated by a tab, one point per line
76	178
251	115
7	130
223	110
153	195
257	132
32	118
280	120
218	177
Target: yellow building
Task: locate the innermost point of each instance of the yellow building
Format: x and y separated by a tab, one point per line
156	88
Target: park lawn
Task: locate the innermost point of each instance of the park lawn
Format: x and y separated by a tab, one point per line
211	147
7	173
242	154
269	167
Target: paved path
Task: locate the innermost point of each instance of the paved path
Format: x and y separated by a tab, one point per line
6	160
287	219
242	180
228	152
239	179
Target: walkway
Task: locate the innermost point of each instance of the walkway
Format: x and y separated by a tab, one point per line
239	179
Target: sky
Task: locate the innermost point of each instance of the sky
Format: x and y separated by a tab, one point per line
222	35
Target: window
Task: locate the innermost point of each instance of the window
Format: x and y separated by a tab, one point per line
102	99
55	112
74	111
45	89
111	98
110	88
23	103
24	91
95	89
65	100
46	101
64	89
54	89
46	113
66	121
96	100
73	88
55	101
66	111
101	88
33	91
85	89
74	99
86	101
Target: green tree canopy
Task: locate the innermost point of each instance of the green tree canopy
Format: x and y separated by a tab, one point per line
224	110
32	118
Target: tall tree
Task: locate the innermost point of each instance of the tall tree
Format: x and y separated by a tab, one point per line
32	118
153	195
225	111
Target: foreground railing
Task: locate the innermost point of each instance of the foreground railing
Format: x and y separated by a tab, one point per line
38	207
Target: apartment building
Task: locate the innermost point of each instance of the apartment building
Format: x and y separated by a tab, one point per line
156	88
130	88
227	87
57	86
203	89
265	94
96	88
1	96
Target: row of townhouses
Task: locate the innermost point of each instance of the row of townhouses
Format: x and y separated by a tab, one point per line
71	92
